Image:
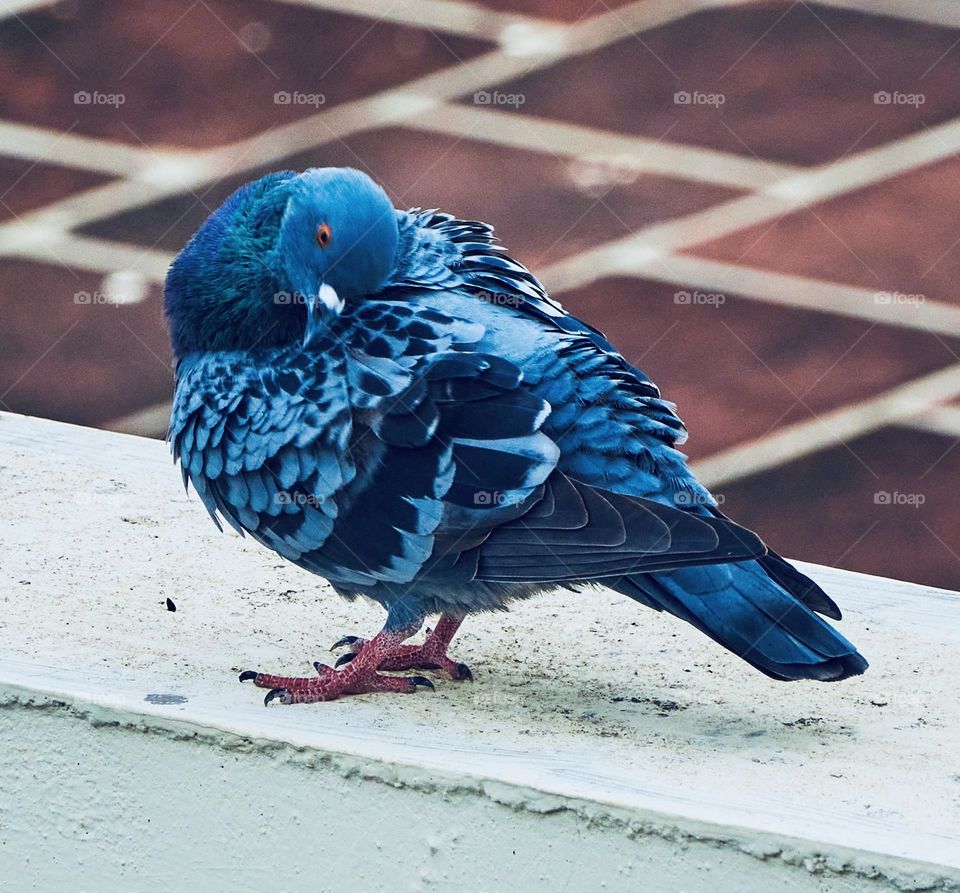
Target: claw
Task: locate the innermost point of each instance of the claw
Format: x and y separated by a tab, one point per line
345	658
463	672
320	668
346	640
248	675
421	682
274	693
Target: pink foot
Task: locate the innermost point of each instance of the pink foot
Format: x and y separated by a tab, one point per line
431	655
384	651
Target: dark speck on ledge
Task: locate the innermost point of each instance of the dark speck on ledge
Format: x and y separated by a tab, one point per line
165	699
667	706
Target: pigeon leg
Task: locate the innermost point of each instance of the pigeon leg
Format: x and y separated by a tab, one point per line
360	676
431	655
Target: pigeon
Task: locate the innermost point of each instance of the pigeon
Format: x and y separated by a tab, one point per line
389	400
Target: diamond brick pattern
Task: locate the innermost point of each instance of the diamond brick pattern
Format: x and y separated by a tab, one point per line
756	201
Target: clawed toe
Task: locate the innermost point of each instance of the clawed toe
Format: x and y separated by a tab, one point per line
330	684
329	688
280	694
346	640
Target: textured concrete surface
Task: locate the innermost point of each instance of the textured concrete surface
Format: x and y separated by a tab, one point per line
674	764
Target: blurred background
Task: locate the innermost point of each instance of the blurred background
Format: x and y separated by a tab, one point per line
757	201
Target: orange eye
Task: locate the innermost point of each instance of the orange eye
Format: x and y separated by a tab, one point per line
324	235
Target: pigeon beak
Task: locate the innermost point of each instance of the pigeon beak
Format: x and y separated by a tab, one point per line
325	301
329	298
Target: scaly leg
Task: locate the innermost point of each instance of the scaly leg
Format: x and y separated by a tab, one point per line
431	655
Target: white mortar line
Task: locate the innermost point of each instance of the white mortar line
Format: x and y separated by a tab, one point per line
465	18
10	8
939	420
635	153
636	252
98	256
632	254
932	12
115	197
828	429
45	146
384	109
872	165
888	308
634	18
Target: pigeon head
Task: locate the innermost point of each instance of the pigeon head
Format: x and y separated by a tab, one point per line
338	240
280	259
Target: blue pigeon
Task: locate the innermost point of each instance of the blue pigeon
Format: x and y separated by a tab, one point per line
390	401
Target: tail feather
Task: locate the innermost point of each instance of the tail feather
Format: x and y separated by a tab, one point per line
754	615
800	585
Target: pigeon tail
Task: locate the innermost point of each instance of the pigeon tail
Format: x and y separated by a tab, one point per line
754	616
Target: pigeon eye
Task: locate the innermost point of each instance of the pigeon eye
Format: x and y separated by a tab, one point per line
324	235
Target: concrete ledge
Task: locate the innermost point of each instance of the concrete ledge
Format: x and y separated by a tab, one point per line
602	746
